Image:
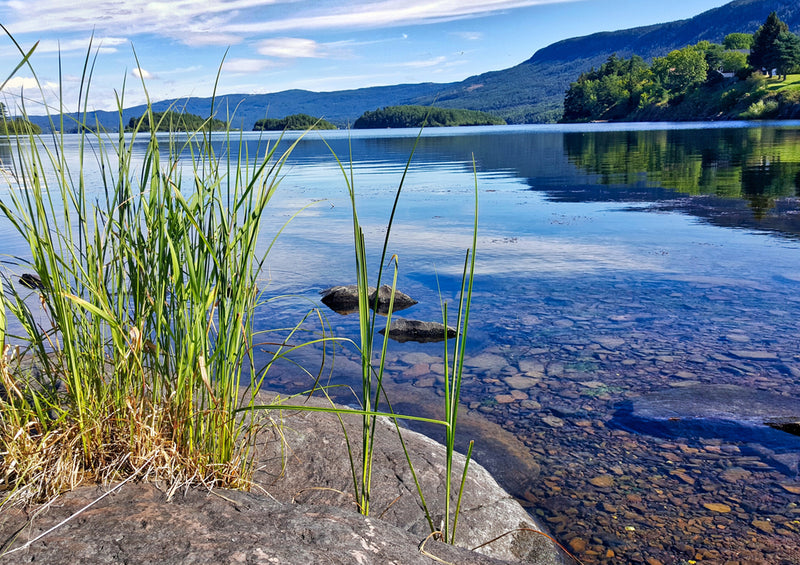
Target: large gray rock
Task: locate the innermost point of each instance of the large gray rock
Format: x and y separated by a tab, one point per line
138	525
301	511
317	471
344	299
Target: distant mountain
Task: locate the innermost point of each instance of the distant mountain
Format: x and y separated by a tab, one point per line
535	89
342	107
530	92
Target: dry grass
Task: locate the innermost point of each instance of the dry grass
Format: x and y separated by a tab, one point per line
41	459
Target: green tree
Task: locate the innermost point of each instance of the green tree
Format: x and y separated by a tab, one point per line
609	92
293	122
735	41
713	53
763	53
176	121
415	116
681	69
733	61
787	51
15	126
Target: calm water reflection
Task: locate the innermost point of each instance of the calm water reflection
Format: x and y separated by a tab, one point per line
613	264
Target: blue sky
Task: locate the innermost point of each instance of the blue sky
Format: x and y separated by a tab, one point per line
275	45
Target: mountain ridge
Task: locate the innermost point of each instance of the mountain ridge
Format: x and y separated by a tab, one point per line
530	92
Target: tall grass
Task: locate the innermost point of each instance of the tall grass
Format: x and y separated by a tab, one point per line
148	287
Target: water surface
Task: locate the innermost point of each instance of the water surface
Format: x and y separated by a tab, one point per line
615	262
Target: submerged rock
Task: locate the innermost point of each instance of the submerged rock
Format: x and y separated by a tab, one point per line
344	299
720	411
717	402
403	330
788	425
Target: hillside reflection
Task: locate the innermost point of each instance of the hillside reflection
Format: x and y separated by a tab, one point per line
741	177
757	165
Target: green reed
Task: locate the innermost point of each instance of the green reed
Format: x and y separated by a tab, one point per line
373	363
148	287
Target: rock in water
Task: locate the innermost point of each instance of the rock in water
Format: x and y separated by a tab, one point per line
718	402
344	299
401	300
31	281
403	330
717	411
341	299
788	425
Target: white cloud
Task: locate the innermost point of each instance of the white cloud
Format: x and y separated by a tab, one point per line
98	44
21	83
29	87
290	48
142	73
245	66
194	22
387	13
204	22
469	35
202	39
423	64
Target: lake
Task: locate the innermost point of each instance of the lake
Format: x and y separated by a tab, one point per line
634	317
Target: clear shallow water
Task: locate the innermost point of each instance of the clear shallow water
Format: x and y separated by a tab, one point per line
614	262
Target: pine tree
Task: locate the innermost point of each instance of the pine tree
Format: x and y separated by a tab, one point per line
787	48
763	54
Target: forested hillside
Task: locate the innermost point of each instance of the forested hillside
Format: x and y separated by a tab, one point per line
747	76
530	92
534	90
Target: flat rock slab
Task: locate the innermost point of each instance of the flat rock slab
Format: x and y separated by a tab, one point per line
755	355
720	402
317	471
727	412
138	525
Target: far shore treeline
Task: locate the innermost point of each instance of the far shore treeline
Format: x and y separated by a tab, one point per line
417	116
175	121
748	76
15	125
388	117
293	122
